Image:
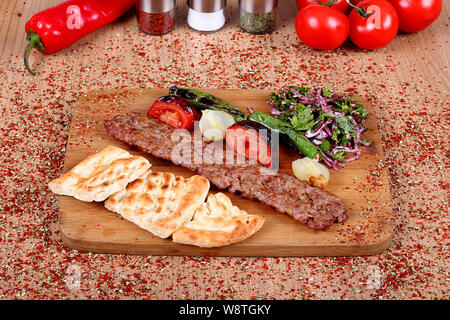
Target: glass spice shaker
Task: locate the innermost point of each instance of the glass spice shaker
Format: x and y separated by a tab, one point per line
156	17
257	16
206	15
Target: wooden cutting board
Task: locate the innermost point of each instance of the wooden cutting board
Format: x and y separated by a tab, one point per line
363	186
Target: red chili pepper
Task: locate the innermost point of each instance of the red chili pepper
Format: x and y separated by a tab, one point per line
175	111
56	28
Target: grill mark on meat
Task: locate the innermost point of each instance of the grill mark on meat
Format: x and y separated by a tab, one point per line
313	207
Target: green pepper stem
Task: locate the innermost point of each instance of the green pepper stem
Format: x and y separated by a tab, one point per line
34	41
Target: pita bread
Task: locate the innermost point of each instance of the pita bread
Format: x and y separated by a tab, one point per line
160	202
100	175
218	223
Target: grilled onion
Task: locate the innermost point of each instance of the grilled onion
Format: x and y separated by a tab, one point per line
311	171
213	124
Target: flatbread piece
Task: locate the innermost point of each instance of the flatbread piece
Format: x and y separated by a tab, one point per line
218	223
160	202
100	175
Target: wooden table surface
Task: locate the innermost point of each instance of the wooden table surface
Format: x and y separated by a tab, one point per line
407	82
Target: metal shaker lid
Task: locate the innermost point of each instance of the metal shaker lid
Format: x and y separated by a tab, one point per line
258	6
155	6
207	6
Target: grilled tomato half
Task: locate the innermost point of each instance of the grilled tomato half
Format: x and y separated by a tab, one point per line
175	111
250	139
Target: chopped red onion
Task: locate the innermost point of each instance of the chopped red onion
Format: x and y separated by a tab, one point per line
322	130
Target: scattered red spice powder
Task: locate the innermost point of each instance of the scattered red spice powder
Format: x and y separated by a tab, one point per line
35	118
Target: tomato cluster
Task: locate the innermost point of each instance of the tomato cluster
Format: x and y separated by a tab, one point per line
370	24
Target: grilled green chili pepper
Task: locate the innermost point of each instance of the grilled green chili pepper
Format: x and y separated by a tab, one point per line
202	100
297	139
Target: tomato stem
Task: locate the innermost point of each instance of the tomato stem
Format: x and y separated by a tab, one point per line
34	41
328	4
361	11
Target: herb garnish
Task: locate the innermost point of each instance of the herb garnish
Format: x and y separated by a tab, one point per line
332	122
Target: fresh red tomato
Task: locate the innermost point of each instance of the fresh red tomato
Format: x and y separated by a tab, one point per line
416	15
321	27
250	139
373	25
174	111
340	5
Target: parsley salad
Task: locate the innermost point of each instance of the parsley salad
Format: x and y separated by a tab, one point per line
332	122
